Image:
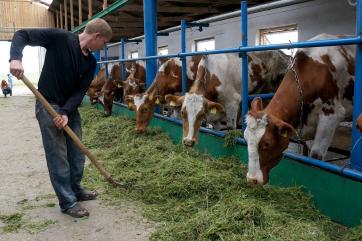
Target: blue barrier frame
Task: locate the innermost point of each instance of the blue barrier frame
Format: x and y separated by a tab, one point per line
356	163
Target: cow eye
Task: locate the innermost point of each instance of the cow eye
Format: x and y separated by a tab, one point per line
265	146
183	113
145	110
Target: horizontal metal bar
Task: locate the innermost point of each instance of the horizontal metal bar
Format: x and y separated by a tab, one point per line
262	96
305	44
342	171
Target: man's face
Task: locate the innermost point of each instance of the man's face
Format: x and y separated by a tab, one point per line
98	42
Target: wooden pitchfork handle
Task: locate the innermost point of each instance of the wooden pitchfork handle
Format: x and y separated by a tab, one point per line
70	132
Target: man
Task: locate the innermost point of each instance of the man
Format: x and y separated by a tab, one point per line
67	73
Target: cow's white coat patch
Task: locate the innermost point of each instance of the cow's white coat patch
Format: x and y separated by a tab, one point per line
253	133
139	100
193	104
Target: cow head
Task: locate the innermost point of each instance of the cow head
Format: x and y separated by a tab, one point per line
144	106
106	97
194	107
96	85
267	138
133	85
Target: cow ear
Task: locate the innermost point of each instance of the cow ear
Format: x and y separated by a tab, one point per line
159	99
129	98
284	130
118	83
214	107
174	100
257	104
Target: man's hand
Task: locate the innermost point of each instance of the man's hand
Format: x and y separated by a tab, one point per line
61	121
16	69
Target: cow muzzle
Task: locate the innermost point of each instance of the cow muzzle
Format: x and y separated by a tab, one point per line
254	180
140	130
188	142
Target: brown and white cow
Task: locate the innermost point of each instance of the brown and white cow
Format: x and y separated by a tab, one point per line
359	122
96	85
326	76
167	81
216	93
135	82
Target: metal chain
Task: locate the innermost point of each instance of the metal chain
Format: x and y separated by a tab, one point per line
301	97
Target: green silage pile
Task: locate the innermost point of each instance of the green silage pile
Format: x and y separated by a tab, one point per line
193	196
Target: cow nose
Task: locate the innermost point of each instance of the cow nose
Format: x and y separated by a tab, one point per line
253	182
188	142
140	130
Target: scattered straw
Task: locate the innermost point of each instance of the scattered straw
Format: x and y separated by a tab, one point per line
193	196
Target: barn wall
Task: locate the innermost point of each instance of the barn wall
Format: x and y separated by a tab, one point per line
15	15
320	16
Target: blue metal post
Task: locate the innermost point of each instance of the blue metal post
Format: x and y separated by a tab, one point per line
356	155
106	59
183	59
150	29
244	65
123	73
97	55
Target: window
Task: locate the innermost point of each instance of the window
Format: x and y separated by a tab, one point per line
205	44
163	50
133	55
279	35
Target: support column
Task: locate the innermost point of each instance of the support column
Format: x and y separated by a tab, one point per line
356	152
80	12
150	29
123	66
71	15
61	15
65	15
244	64
90	9
183	59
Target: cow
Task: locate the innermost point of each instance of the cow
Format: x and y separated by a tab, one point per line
135	83
96	85
216	92
168	80
359	122
6	89
326	77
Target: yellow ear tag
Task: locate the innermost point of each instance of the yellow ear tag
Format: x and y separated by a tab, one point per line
213	110
284	134
157	101
129	104
119	86
172	103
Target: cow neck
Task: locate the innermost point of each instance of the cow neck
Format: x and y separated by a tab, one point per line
285	104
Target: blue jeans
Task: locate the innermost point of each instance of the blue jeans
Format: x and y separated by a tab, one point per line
64	159
7	91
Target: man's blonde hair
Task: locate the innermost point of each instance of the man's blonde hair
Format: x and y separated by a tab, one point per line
99	25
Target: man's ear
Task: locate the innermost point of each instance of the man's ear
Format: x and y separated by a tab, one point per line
214	107
174	100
